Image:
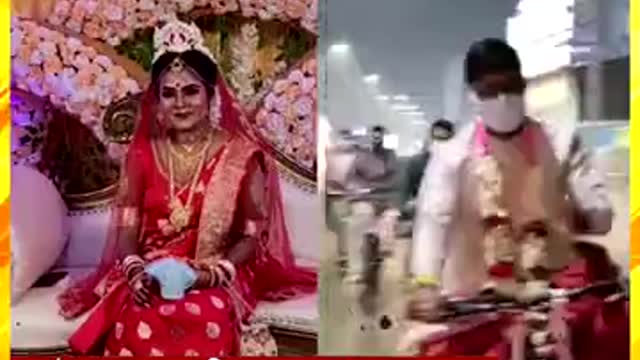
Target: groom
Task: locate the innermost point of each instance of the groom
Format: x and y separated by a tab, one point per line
546	178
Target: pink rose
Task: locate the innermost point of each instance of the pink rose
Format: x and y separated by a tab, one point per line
80	61
292	92
280	86
281	104
62	9
74	25
309	66
52	64
78	12
103	62
261	117
275	8
295	9
303	106
92	30
270	101
296	77
249	7
308	85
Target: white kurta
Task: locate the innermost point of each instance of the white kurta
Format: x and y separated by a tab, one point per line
448	235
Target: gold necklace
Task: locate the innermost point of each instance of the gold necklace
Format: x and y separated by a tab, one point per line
185	164
180	215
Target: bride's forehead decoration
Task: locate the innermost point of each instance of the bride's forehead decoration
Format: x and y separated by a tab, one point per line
176	36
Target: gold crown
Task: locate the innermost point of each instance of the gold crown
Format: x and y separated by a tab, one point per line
177	37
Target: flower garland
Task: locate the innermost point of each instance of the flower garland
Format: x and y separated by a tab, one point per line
66	72
499	240
287	115
243	54
113	21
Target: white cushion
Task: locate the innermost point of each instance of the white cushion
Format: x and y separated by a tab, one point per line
87	238
36	324
302	210
299	314
38	227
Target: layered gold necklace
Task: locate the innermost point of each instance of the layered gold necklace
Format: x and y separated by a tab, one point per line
190	163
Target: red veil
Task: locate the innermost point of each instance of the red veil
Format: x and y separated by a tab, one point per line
277	274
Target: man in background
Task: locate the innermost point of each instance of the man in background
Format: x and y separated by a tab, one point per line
441	131
376	169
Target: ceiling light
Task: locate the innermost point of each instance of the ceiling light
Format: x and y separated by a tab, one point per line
401	98
372	79
413	113
403	107
382	97
340	48
359	132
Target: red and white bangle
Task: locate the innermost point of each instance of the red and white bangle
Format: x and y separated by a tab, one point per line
228	270
130	264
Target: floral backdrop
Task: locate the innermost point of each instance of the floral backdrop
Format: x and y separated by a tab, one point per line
28	127
91	54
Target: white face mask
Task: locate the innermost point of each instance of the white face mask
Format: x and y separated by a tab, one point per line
503	114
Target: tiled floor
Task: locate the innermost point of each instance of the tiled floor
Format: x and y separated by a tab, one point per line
345	329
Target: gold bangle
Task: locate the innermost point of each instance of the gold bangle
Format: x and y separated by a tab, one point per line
424	281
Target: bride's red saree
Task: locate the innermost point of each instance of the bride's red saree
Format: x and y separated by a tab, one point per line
206	321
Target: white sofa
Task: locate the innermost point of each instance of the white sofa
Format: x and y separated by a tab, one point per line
37	327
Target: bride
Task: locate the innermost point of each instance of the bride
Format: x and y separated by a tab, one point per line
196	191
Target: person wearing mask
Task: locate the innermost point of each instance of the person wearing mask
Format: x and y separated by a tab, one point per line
441	131
514	190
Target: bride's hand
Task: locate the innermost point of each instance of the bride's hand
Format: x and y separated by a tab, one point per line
140	287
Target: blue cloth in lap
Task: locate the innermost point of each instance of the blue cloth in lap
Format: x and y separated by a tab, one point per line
175	277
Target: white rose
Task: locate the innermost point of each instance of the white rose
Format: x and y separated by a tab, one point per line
114	13
16	37
43	33
37	57
19	68
275	123
62	9
21	118
75	26
80	61
304	106
308	84
48	48
103	61
113	40
36	87
281	104
185	5
146	5
296	76
270	101
51	82
105	80
130	85
56	20
90	6
66	86
104	97
73	44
